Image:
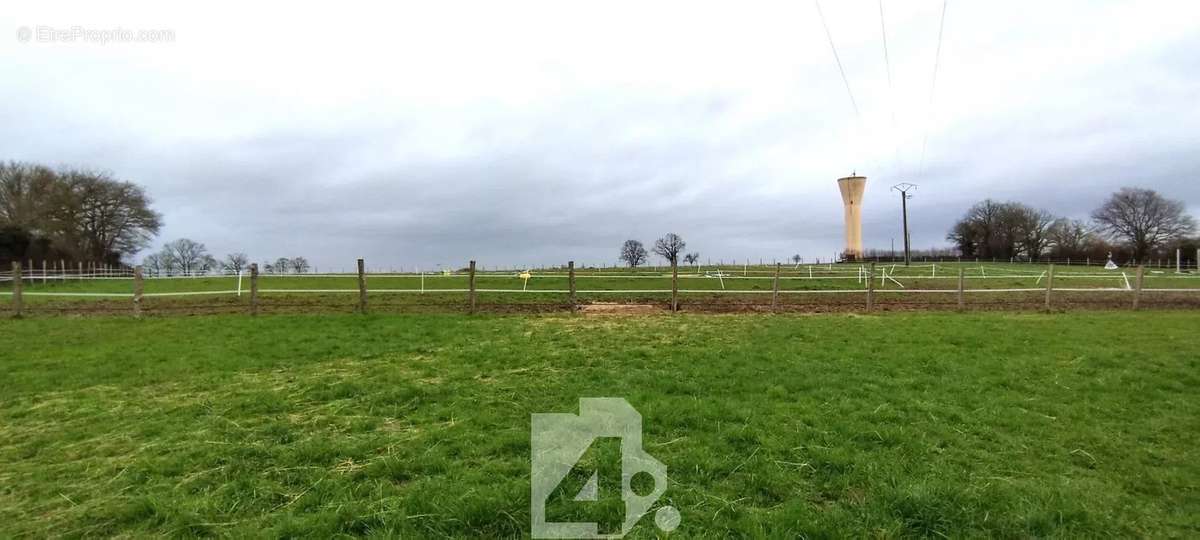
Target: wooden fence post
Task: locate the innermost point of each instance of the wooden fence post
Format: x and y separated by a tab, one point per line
137	291
44	278
79	275
253	289
674	284
16	292
471	285
962	289
871	288
775	290
362	287
1049	285
571	285
62	270
1137	291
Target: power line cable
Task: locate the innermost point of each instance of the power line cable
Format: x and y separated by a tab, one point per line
887	62
837	59
932	86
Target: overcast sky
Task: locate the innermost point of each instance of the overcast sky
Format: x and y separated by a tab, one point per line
532	133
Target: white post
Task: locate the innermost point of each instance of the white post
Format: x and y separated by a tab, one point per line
1178	260
239	283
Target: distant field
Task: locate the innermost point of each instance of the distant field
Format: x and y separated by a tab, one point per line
1011	425
804	287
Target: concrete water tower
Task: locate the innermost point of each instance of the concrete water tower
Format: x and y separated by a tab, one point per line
852	195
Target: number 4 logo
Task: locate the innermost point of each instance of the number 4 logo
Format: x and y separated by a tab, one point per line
576	454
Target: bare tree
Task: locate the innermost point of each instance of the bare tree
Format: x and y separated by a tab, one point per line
669	247
84	214
797	258
1002	229
209	264
28	195
1143	219
299	265
236	262
975	233
1033	227
112	218
170	265
691	258
633	253
185	256
154	264
1069	237
282	265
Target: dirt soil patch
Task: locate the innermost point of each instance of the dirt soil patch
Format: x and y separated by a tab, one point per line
613	308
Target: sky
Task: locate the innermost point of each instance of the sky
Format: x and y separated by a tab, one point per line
420	134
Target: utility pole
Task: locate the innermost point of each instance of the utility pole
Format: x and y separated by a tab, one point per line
904	188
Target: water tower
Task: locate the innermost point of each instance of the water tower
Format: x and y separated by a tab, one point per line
853	188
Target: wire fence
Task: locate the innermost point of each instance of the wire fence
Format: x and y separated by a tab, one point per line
813	287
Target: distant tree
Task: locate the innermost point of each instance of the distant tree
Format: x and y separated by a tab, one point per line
282	265
1069	238
633	253
170	266
669	247
84	214
268	268
112	218
1033	229
235	263
975	232
797	258
1002	229
185	256
28	194
14	243
299	265
209	264
691	258
154	265
1143	219
964	236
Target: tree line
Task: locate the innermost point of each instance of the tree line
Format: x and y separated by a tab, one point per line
1139	223
71	214
189	258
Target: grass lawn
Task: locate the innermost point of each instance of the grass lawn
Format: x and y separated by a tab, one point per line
927	424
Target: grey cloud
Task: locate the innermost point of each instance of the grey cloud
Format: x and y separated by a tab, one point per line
571	168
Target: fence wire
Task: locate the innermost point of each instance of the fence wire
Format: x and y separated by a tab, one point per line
853	287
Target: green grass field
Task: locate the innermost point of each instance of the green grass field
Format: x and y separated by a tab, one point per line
928	424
